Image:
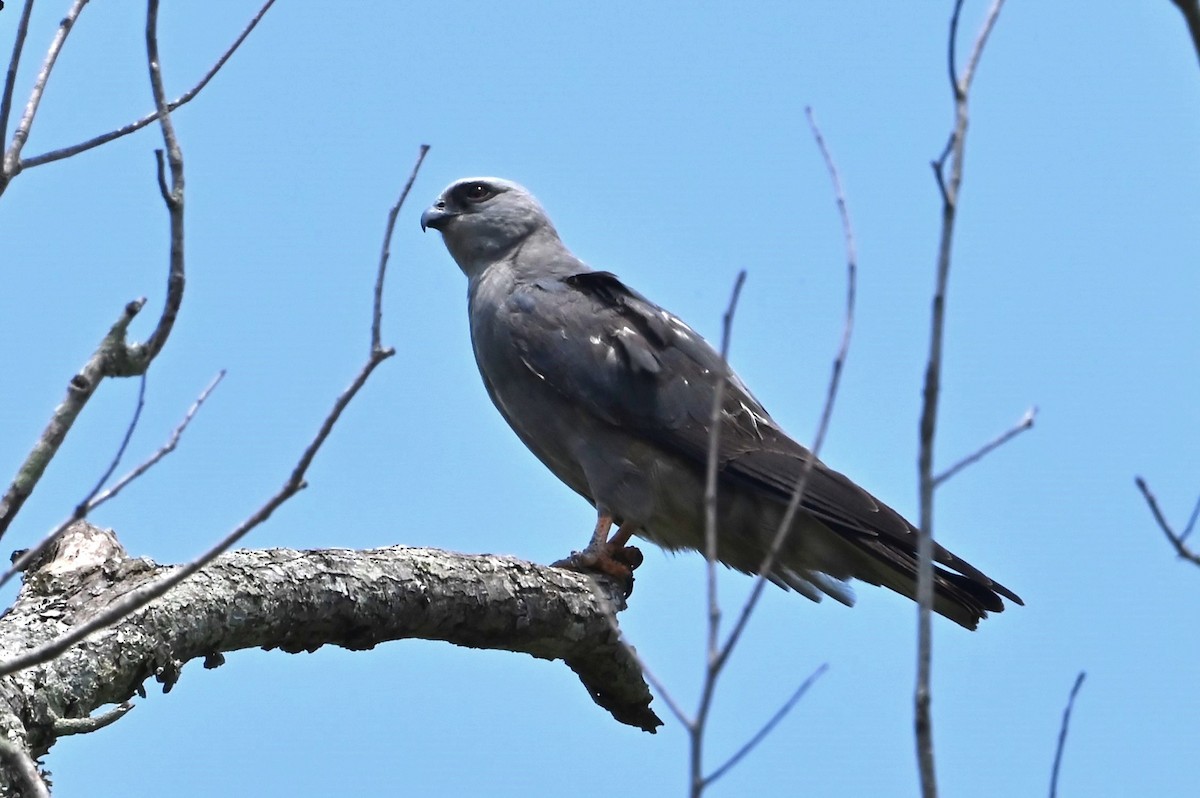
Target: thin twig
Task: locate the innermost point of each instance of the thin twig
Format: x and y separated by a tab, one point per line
768	726
1062	733
657	684
64	727
172	197
1181	548
186	97
129	429
162	452
10	78
1191	524
1025	423
697	728
721	656
96	497
712	465
138	598
954	150
839	362
377	315
22	766
12	157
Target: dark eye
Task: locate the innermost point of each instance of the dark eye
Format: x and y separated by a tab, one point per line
478	192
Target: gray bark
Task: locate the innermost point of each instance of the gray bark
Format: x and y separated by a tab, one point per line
294	601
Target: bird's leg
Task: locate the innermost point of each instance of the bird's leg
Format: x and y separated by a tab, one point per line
611	558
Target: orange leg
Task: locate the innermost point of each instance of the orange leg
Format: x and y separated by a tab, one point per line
611	558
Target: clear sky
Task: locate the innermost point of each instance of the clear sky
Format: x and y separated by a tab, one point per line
668	143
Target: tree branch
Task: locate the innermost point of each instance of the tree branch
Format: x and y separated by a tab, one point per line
954	151
184	99
114	357
10	77
22	766
12	157
1177	539
718	656
64	727
300	601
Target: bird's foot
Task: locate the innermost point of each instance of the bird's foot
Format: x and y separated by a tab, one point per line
606	559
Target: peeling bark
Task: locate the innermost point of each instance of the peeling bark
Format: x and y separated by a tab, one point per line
294	601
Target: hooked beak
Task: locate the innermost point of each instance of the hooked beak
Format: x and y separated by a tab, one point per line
435	216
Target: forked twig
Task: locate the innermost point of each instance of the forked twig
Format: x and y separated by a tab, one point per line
718	656
954	151
12	156
10	77
141	596
1177	539
98	497
183	99
830	396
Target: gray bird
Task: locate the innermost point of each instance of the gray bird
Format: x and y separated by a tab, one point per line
615	395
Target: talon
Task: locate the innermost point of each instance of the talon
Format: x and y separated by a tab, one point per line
616	562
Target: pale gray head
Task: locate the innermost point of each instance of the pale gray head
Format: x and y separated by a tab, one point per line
482	219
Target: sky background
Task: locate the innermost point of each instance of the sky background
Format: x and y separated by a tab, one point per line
668	143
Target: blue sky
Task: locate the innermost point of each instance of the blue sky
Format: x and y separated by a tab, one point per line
669	145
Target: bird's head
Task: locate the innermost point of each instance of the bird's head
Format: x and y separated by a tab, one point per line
482	219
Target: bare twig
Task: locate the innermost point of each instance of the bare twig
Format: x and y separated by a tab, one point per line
719	656
79	390
954	151
1025	423
163	451
22	766
186	97
1191	15
659	686
129	429
1062	733
64	727
839	362
768	726
173	197
10	78
697	728
96	497
1191	524
139	597
377	315
12	156
115	357
1177	540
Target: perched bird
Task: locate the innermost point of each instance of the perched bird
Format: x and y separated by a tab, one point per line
615	396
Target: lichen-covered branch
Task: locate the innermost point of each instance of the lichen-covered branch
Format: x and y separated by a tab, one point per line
294	601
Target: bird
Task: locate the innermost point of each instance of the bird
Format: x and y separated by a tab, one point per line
615	396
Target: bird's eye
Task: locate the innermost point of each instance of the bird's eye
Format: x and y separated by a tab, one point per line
478	192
